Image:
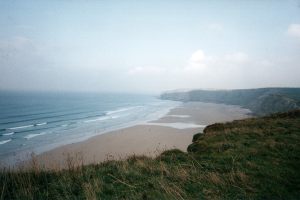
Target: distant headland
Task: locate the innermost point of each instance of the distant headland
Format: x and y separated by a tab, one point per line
260	101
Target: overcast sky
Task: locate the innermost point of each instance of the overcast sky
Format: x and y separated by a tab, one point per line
148	46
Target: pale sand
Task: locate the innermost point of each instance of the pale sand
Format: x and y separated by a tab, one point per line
149	140
205	113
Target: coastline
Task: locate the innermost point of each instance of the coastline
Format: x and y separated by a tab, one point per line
174	130
22	147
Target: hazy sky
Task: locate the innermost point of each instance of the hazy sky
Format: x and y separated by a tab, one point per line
148	46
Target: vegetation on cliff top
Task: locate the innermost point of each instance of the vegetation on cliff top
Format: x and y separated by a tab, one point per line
260	101
255	158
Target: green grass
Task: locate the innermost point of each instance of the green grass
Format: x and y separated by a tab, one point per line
256	158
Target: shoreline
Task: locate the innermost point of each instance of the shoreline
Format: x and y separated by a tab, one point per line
149	139
14	159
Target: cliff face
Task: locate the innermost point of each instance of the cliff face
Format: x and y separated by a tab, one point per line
260	101
272	103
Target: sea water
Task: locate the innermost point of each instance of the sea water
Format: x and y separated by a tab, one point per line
40	121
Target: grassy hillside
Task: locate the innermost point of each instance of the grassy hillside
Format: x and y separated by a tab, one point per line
260	101
256	158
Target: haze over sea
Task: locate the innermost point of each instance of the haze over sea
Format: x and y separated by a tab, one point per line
39	121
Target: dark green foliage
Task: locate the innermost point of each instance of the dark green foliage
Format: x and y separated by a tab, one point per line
197	136
171	156
256	158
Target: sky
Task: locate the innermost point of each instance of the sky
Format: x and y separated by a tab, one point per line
148	46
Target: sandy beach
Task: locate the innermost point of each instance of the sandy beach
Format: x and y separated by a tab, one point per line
175	130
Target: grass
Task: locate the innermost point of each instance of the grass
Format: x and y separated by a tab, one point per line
256	158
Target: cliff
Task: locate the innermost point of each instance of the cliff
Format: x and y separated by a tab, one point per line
260	101
256	158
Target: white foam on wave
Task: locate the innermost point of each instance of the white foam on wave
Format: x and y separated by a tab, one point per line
115	116
34	135
178	125
121	110
20	127
11	133
97	119
4	141
41	124
103	118
26	126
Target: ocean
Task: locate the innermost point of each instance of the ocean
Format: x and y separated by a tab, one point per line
40	121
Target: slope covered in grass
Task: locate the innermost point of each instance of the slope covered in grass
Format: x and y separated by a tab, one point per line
256	158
